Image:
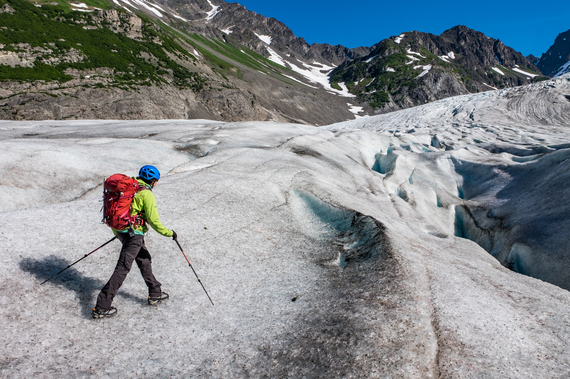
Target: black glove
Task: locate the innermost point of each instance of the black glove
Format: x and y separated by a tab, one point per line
174	236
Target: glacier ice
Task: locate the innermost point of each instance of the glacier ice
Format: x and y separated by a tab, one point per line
329	252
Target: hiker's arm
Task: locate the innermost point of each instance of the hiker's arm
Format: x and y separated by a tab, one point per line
151	215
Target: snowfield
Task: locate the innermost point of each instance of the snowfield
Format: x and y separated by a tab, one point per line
425	243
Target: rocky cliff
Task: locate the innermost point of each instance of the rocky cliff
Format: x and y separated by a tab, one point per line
242	26
556	61
114	64
217	60
415	68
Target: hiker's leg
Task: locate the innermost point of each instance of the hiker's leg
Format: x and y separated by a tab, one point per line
130	249
143	260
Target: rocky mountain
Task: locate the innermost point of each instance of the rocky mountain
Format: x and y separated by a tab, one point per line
415	68
240	25
556	61
216	60
532	59
149	62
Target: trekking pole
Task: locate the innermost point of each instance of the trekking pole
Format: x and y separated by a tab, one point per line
85	256
189	264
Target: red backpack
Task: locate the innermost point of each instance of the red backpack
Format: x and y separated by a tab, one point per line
118	193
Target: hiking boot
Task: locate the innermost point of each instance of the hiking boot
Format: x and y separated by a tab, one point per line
100	313
153	300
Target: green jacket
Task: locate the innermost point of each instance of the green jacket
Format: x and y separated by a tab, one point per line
144	204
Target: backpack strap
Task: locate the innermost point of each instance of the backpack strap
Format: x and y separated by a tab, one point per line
139	219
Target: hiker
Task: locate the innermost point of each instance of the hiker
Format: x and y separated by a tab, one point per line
143	209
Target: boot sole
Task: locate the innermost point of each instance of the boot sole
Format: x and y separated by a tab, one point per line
100	315
155	302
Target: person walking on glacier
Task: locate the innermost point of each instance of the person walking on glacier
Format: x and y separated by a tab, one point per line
143	211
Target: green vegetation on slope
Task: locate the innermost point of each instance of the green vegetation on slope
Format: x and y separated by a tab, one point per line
54	34
393	72
387	72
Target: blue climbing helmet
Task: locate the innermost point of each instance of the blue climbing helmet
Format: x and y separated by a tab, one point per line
149	172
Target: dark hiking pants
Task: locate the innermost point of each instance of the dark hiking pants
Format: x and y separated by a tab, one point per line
133	249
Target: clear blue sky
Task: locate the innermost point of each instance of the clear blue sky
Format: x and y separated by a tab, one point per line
527	26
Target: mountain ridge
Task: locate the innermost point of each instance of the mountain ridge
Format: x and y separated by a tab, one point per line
415	67
239	65
556	60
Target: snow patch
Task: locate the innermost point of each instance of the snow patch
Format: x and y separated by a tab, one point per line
399	38
228	30
425	69
359	81
298	81
413	59
180	18
450	55
524	72
370	59
497	71
80	5
215	10
273	56
266	39
390	69
319	75
126	2
344	91
563	70
157	6
356	110
148	6
409	51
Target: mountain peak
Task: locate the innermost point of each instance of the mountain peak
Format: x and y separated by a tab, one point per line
554	61
414	68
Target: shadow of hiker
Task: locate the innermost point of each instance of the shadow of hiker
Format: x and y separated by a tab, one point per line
86	288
